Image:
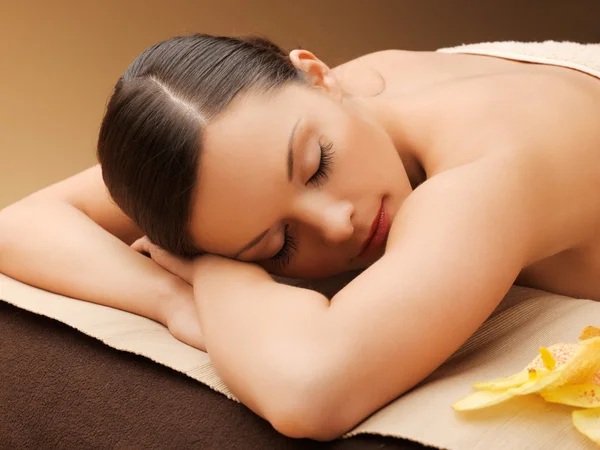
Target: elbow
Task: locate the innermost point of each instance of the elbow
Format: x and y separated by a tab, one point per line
297	428
9	222
12	221
3	219
312	405
4	229
307	417
9	217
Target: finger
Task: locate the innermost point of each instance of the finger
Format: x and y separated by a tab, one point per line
142	245
138	245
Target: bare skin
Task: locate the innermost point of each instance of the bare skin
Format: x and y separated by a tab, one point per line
550	113
498	185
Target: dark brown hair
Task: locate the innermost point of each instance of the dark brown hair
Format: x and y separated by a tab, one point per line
150	139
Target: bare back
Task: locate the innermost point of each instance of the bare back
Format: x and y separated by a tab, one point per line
545	118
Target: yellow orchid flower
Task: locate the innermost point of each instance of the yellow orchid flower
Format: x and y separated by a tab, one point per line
567	373
556	366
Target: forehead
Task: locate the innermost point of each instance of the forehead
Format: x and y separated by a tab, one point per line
249	121
242	182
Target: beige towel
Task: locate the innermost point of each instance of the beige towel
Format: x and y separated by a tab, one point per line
582	57
507	342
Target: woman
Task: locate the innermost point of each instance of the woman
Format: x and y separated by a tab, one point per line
447	177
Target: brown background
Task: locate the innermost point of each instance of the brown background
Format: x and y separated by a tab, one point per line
60	58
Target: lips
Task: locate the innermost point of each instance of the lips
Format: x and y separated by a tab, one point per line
378	233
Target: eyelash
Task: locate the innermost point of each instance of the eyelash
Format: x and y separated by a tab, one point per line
284	255
320	176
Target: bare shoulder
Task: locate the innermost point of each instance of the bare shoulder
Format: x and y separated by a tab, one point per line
369	74
545	121
380	58
511	200
484	202
404	72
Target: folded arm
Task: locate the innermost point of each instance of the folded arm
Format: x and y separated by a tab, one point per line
315	368
70	238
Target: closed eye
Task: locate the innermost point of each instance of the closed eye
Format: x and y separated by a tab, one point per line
284	255
320	176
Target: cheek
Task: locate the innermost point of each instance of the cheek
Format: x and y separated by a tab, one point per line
367	158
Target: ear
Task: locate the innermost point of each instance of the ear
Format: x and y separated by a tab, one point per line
318	73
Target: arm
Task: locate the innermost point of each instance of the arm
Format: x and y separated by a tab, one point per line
71	239
316	369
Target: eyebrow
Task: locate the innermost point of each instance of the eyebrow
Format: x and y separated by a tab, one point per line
290	170
290	156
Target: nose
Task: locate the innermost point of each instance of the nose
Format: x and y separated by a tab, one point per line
337	223
331	218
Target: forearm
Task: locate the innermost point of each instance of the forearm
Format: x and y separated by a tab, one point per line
53	246
264	339
306	365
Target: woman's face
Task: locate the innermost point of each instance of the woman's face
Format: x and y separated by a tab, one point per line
294	181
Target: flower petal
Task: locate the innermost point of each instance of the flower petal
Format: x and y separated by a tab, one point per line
589	332
538	380
481	399
587	422
582	395
500	384
561	353
547	358
581	368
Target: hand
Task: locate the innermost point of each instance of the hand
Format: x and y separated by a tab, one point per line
181	314
180	267
220	275
183	320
